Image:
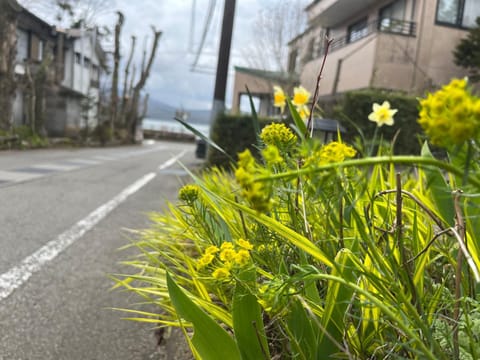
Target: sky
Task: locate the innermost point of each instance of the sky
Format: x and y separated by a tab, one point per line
172	81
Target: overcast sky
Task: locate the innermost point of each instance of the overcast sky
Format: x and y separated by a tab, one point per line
172	80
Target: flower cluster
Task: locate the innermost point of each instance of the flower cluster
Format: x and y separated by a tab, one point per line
332	152
225	258
451	115
279	135
255	192
301	97
188	193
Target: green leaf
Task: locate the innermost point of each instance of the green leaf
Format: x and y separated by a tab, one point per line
441	192
209	340
204	138
247	319
300	126
255	123
337	301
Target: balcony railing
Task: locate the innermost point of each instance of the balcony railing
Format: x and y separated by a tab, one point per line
385	25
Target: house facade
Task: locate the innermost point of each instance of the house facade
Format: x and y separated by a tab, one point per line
35	43
260	85
57	75
74	103
387	44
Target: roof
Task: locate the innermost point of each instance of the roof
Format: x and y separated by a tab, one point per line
268	75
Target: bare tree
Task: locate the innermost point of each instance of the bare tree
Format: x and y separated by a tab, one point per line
125	93
116	62
8	42
133	114
273	28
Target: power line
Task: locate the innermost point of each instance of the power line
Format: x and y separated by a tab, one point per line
208	20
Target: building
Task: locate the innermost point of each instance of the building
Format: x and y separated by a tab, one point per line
260	85
395	45
79	62
57	75
35	42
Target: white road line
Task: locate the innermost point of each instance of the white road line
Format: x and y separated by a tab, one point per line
19	274
171	161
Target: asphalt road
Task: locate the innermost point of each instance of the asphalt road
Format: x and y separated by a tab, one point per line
63	216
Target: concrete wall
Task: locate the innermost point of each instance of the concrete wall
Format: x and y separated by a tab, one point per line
256	85
355	71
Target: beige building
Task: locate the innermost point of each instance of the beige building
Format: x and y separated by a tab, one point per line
399	45
260	85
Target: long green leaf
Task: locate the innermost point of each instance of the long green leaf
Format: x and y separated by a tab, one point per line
247	319
255	123
209	340
300	126
204	138
441	192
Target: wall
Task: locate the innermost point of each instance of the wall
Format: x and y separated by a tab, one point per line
355	71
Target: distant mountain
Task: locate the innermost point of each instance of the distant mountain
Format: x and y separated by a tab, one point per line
160	110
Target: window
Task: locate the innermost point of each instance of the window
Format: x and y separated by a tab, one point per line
40	50
292	61
460	13
86	62
390	14
78	58
357	31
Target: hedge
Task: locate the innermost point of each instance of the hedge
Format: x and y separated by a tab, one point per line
233	133
353	110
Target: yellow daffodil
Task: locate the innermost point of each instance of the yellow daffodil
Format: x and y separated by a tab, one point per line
304	112
301	96
279	98
382	114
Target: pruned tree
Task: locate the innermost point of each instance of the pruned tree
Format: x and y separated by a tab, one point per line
133	117
273	28
125	93
8	42
116	62
467	52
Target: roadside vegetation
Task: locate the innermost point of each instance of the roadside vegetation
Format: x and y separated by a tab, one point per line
318	251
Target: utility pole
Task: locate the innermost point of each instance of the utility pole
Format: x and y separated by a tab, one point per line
223	59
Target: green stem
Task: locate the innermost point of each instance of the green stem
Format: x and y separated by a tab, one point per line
400	160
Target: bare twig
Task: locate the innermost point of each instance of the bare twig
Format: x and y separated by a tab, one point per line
328	42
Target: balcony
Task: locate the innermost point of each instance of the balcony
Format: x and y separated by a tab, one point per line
385	25
333	12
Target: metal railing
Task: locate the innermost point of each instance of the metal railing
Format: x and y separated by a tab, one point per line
385	25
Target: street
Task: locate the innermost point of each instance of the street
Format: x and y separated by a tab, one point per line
64	215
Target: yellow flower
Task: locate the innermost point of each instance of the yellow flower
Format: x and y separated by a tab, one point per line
279	98
227	255
205	260
304	112
272	156
212	249
300	96
278	135
382	114
221	273
226	245
450	116
242	257
188	193
245	244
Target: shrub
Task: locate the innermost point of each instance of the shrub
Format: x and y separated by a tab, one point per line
233	133
353	109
